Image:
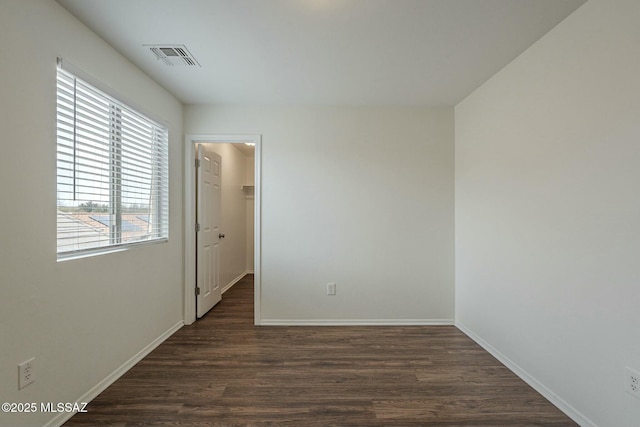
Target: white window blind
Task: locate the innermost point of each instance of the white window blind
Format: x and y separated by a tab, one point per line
112	178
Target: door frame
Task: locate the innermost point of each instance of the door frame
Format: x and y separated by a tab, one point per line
190	218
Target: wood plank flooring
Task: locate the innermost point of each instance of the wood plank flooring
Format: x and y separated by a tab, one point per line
223	371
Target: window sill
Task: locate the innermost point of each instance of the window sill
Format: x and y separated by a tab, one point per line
69	256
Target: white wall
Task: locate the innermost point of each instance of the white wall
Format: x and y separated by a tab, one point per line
358	196
81	319
548	212
233	253
250	180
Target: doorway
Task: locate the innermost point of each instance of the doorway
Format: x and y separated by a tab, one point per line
190	217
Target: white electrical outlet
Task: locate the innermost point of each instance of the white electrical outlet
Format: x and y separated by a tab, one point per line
632	382
331	288
26	373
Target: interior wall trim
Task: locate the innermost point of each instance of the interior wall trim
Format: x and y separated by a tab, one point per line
538	386
233	282
357	322
63	417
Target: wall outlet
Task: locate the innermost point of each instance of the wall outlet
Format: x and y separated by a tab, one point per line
632	382
26	373
331	288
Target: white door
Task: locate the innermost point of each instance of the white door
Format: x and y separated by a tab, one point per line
208	235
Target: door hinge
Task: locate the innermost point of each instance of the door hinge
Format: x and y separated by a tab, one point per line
197	227
197	163
197	290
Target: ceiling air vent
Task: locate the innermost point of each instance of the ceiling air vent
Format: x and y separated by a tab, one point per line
174	54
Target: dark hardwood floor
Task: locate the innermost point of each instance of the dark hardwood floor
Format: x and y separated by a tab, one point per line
223	371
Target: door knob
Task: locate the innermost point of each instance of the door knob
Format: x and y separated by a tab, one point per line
220	236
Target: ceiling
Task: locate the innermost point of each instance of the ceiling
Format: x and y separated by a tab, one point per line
324	52
247	150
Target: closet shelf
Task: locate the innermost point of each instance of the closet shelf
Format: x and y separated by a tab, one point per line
248	191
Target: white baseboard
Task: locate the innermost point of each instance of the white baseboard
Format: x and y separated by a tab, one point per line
250	272
560	403
233	282
62	417
355	322
556	400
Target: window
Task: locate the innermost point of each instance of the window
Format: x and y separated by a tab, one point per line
112	179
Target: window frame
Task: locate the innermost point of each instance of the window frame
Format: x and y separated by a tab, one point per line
157	171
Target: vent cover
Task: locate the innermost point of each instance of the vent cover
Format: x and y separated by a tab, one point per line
173	54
